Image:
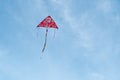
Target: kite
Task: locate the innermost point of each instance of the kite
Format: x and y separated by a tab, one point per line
48	22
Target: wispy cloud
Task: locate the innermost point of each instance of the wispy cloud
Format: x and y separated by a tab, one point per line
104	6
82	36
85	27
3	52
96	76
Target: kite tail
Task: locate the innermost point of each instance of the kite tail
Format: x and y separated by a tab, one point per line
45	40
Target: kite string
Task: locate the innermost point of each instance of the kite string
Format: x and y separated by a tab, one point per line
54	33
45	40
35	32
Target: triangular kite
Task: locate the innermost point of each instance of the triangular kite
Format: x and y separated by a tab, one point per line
48	22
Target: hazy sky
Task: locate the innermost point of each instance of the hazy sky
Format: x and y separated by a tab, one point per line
86	45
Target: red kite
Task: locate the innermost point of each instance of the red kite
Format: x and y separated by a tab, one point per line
48	22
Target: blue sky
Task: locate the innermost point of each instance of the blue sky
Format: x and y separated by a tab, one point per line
86	46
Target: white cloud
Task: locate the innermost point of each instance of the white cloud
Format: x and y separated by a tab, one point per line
59	71
77	25
3	53
87	27
95	76
62	3
80	27
104	6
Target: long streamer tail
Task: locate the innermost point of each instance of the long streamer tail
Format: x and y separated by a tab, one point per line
45	40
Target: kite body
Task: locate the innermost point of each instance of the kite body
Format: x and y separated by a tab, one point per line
48	22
